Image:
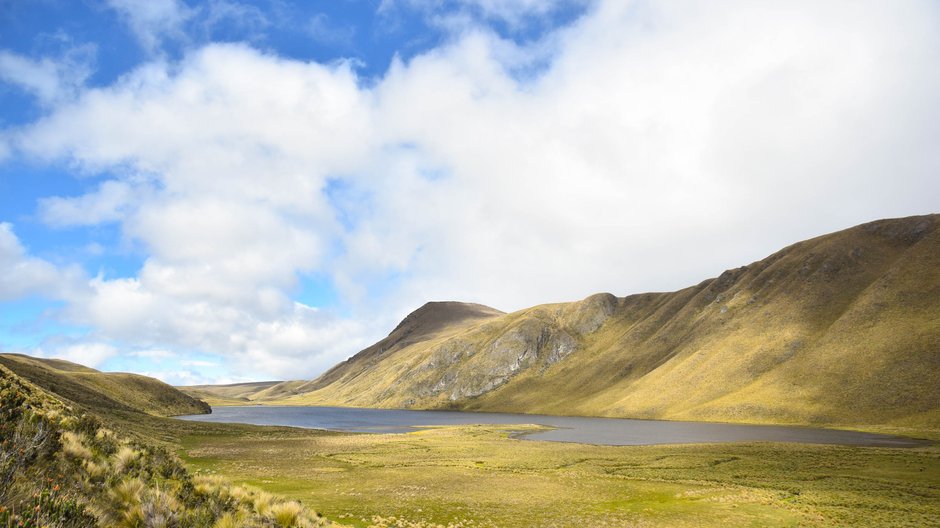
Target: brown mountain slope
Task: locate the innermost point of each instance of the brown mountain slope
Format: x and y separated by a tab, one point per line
843	329
107	391
422	325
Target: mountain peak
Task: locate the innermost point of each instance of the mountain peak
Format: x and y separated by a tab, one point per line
431	318
434	316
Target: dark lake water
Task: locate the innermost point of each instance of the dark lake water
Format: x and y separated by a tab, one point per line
606	431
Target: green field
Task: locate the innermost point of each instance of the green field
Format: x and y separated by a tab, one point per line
480	476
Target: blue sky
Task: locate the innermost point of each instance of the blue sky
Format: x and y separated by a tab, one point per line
225	190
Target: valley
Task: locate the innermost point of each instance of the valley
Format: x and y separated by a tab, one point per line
840	331
465	476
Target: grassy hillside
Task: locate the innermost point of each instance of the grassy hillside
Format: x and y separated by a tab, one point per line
839	330
112	391
230	394
64	464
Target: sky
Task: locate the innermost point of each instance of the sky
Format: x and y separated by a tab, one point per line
226	191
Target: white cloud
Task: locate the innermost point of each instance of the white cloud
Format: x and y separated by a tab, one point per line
184	377
245	16
156	354
49	80
22	275
198	363
515	13
660	145
109	203
322	29
153	21
88	354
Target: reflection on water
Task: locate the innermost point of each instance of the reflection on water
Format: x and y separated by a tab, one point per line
607	431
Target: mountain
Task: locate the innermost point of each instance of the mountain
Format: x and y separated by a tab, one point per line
842	329
426	324
103	391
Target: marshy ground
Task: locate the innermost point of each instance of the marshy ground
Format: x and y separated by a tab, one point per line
480	476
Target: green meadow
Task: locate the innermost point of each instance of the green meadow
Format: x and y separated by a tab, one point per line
482	476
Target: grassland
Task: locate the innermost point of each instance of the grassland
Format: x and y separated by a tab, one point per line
70	464
479	476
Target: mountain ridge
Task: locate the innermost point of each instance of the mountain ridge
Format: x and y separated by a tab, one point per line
839	329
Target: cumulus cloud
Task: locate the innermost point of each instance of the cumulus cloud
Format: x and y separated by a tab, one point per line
661	144
88	354
22	274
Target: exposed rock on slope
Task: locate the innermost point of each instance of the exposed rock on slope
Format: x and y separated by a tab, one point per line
839	329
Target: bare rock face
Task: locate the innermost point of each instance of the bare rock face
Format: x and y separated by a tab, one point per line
467	367
591	313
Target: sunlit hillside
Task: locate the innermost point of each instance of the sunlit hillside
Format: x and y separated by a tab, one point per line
840	330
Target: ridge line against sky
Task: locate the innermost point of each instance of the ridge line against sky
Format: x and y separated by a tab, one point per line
228	191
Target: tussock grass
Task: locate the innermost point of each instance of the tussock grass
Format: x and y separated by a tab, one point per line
62	467
263	502
229	520
128	492
73	445
124	459
287	514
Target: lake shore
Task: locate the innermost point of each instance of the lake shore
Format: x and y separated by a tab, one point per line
585	430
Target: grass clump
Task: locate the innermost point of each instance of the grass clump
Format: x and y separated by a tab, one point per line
73	445
124	459
229	520
286	514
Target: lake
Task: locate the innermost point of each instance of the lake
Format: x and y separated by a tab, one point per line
603	431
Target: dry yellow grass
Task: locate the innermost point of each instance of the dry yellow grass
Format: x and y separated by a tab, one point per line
841	330
104	391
